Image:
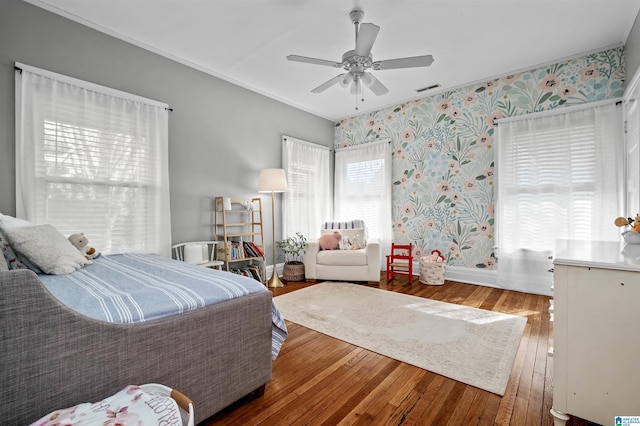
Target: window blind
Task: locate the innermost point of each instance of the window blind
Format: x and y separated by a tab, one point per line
558	177
363	189
92	160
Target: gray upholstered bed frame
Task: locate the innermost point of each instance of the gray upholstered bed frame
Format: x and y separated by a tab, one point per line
51	357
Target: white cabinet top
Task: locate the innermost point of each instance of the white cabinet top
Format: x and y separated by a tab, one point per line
598	254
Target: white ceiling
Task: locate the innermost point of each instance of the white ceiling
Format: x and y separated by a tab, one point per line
246	41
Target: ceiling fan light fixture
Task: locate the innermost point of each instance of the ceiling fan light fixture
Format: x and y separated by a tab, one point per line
367	79
346	80
356	87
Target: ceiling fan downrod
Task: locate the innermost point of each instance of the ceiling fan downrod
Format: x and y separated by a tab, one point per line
356	16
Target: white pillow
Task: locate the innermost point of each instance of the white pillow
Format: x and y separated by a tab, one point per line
10	222
47	249
13	260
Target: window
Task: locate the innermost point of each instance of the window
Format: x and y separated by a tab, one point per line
363	189
559	177
308	203
92	160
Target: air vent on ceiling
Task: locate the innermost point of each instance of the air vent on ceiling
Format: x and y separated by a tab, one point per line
433	86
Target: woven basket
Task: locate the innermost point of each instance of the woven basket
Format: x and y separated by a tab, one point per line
293	272
184	403
431	273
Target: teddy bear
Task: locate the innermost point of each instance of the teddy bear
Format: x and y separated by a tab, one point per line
82	243
330	241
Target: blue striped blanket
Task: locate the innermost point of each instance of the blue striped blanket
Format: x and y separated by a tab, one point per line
129	288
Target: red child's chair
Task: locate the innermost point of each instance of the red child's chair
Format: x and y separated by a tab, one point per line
400	261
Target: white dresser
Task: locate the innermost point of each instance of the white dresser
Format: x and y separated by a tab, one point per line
596	331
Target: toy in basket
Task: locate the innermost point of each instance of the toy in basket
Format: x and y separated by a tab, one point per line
432	268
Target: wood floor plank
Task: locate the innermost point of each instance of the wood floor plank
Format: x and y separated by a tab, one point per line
526	376
536	396
547	397
366	410
460	412
476	409
443	415
380	409
319	380
416	415
355	383
339	413
322	394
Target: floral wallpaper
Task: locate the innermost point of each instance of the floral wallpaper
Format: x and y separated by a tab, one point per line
443	185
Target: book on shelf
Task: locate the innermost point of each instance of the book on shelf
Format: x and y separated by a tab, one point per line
251	249
238	250
257	249
248	249
251	271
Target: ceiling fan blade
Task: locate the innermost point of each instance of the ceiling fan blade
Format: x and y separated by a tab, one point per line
415	61
316	61
374	84
366	37
326	85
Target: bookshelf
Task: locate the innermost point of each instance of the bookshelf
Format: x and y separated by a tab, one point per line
239	230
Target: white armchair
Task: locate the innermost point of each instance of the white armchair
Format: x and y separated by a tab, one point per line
344	265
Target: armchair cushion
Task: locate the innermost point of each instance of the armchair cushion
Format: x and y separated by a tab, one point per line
340	258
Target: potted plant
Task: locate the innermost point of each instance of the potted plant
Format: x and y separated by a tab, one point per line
293	249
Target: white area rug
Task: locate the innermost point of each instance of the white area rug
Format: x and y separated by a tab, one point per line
473	346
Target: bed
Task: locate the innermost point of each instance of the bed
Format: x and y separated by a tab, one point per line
53	356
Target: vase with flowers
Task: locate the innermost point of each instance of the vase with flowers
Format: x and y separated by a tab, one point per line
631	235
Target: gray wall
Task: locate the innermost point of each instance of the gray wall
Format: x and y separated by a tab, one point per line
220	135
632	51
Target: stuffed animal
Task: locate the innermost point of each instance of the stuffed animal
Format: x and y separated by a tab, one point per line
82	243
355	245
330	241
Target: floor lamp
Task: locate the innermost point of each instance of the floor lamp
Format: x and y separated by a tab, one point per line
273	180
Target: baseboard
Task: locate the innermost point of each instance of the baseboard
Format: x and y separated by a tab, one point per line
478	276
460	274
452	273
279	269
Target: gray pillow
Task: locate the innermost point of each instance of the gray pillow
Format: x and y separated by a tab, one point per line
46	248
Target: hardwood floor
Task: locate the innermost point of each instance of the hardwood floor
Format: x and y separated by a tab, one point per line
319	380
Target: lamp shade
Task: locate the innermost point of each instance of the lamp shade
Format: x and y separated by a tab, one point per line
272	180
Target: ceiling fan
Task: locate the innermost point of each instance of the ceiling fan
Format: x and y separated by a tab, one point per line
357	62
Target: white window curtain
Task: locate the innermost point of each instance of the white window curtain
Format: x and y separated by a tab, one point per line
94	160
559	176
308	203
363	189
